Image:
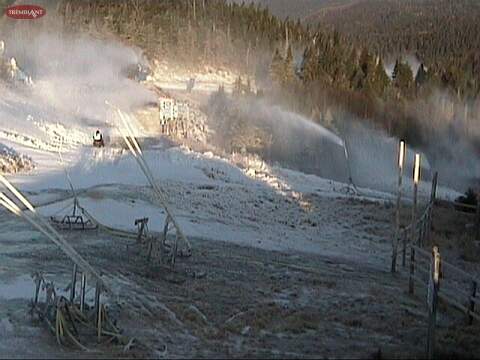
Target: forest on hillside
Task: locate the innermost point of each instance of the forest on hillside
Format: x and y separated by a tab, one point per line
307	69
444	34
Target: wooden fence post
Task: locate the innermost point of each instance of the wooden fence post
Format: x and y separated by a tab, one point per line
412	271
477	230
432	300
416	179
401	161
424	228
433	196
473	294
98	309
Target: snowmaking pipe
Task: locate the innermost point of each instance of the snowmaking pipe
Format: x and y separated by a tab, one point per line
42	225
69	179
146	170
17	193
136	151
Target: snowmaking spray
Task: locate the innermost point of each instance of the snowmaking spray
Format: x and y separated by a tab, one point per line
291	139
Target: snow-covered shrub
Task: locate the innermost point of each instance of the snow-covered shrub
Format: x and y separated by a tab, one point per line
13	162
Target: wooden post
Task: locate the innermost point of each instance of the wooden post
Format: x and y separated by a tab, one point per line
423	230
411	280
473	294
433	196
433	193
404	250
401	161
74	284
99	323
97	300
432	298
98	309
477	231
83	286
416	179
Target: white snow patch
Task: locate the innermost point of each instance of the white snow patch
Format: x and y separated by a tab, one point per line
21	287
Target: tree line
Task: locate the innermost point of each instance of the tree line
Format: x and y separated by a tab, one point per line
308	68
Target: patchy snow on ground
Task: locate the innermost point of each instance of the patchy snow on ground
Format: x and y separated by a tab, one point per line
253	205
17	288
235	207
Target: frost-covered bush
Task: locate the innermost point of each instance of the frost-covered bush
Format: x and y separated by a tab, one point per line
13	162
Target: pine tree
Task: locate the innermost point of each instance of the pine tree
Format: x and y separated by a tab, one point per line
421	76
395	70
382	80
289	68
277	68
403	78
308	65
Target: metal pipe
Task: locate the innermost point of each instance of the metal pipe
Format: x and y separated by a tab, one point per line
97	301
74	283
82	292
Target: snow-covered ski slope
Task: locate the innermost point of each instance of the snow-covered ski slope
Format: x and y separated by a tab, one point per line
214	198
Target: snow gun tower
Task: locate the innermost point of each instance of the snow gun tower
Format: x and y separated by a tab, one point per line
74	220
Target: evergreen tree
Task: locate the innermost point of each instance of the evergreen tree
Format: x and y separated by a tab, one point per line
403	78
381	81
289	68
277	68
421	76
395	70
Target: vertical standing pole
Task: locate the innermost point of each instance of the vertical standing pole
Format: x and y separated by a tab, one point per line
99	323
404	250
38	282
83	287
74	283
97	300
477	231
411	279
433	192
416	180
473	294
401	161
349	169
98	310
433	195
433	287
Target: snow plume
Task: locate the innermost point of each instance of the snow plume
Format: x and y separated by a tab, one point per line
443	129
451	137
373	156
73	74
287	122
276	135
301	144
